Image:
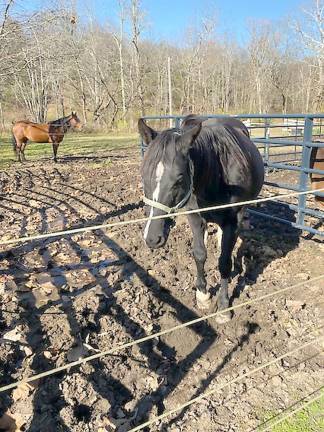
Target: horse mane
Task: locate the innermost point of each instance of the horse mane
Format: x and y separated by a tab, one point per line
60	122
192	120
219	148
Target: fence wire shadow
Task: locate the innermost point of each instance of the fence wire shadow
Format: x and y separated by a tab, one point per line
177	370
50	419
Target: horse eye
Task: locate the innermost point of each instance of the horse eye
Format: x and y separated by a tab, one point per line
178	181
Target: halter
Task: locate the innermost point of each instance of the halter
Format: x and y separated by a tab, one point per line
181	204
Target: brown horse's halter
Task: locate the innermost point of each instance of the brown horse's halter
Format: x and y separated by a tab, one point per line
181	204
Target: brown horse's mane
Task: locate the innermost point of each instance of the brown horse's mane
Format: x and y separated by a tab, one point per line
59	122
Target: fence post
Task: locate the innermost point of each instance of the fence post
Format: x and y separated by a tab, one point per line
303	178
142	147
266	144
177	122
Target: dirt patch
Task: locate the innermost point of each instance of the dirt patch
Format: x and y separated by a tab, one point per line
64	298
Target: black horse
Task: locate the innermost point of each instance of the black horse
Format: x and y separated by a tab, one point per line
202	164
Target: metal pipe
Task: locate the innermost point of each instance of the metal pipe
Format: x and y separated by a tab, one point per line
286	154
295	168
311	212
286	222
245	116
287	143
283	186
303	178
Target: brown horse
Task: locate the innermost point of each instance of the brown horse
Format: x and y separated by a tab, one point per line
317	180
51	132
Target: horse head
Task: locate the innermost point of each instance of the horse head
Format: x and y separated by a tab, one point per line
167	174
74	121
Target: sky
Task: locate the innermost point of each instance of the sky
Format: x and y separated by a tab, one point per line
171	17
168	19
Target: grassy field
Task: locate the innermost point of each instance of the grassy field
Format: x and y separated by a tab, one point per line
310	419
74	144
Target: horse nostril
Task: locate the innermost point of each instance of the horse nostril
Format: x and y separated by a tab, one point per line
156	242
159	240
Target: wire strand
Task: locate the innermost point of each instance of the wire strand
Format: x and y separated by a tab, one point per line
291	413
149	337
221	387
145	219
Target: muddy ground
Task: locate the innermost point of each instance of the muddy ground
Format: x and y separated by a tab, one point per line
68	297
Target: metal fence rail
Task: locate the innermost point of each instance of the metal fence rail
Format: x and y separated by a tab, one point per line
301	131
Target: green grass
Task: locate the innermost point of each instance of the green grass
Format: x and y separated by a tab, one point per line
74	144
310	419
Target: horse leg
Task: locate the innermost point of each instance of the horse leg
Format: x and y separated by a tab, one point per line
198	228
229	238
23	146
55	147
18	151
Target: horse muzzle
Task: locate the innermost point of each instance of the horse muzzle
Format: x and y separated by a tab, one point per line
156	234
155	242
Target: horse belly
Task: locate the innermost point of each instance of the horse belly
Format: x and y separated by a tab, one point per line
37	134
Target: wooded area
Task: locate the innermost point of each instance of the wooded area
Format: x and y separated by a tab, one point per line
53	61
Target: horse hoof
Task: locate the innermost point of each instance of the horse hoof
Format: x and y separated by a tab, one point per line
223	317
203	300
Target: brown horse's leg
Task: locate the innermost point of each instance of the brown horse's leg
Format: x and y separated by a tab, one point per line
22	150
19	145
55	147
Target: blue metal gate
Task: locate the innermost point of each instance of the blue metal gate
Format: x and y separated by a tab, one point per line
297	133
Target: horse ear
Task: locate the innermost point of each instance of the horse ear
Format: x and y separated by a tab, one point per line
191	120
188	137
148	134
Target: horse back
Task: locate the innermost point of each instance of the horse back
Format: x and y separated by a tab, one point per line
38	132
228	163
231	122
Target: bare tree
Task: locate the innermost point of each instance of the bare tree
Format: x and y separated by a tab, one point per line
119	38
51	64
311	31
136	16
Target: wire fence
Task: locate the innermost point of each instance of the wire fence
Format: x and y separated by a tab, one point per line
225	385
146	219
293	412
152	336
129	344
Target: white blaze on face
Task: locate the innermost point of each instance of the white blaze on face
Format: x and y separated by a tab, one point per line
206	237
219	237
158	177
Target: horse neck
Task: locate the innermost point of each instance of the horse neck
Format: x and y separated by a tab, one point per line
206	165
66	125
65	122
